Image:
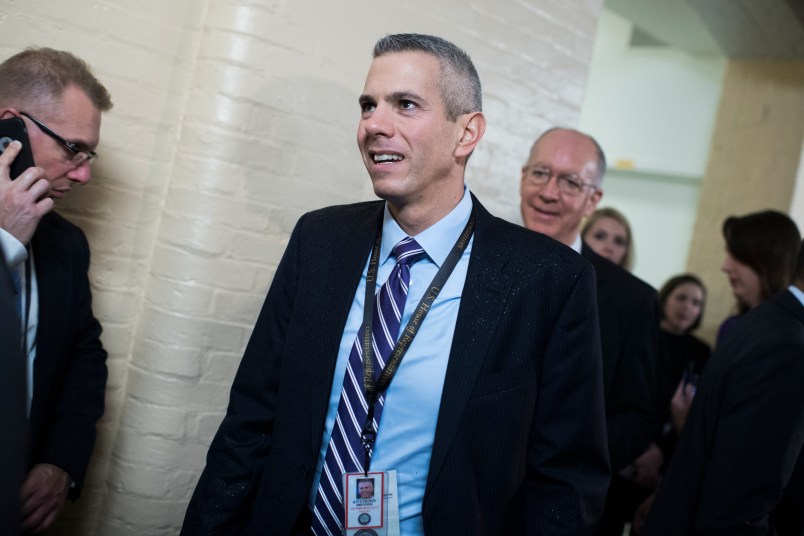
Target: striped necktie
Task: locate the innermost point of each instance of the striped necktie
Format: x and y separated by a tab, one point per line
345	453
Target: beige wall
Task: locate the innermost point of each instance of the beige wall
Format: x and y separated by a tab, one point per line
753	163
231	119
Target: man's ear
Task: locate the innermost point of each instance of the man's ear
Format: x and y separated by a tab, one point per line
594	199
7	113
474	126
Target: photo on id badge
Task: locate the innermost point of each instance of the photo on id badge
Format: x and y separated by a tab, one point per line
367	504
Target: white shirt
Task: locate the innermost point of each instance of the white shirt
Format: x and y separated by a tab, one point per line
16	254
797	293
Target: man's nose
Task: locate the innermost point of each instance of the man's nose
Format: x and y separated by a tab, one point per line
550	190
379	122
80	174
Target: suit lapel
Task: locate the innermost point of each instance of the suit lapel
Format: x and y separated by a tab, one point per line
53	281
482	301
344	268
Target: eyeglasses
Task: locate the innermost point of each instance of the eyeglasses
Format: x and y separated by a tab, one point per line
570	185
78	156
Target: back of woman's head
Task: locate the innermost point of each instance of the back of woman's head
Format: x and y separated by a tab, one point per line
768	243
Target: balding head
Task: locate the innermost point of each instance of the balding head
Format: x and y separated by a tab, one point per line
560	183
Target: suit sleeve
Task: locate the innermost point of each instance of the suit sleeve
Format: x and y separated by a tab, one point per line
234	462
70	437
756	444
631	408
568	469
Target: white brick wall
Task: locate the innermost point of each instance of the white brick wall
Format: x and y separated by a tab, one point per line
231	119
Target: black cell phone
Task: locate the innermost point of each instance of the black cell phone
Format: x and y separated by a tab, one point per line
690	377
14	129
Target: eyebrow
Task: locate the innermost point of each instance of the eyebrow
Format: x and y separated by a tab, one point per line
405	95
394	97
548	167
83	146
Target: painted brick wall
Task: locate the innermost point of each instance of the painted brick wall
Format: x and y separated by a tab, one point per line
231	119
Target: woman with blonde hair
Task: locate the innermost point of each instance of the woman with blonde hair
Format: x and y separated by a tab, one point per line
608	233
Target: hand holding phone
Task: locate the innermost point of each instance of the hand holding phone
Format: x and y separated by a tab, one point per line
14	129
690	378
24	200
681	401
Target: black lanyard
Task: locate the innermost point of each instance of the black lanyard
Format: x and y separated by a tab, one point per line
373	390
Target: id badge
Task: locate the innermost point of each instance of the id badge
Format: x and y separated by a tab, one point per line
371	503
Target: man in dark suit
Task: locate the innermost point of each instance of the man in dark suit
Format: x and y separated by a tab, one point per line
59	101
627	306
493	421
12	402
739	465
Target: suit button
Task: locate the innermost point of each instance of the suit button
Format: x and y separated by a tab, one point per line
304	471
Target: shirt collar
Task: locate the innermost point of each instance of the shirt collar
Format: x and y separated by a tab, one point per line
797	293
577	244
437	240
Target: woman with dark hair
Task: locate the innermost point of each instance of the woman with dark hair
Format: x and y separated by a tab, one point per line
761	250
681	355
682	300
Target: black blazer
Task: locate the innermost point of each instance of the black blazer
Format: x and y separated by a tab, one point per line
12	406
739	468
520	442
629	335
70	366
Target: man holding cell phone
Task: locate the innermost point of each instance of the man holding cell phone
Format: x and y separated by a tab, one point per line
50	106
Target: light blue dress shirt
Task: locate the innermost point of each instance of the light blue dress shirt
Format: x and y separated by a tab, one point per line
16	254
407	429
797	293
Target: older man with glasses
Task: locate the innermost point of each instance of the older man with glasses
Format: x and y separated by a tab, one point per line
627	306
59	102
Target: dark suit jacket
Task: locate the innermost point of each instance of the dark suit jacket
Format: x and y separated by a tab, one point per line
520	442
12	406
629	335
739	468
70	366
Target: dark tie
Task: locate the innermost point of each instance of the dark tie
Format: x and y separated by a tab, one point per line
15	277
345	453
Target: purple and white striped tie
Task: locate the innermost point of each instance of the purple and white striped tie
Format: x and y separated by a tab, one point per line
345	453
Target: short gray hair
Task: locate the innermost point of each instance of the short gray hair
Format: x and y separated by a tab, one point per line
35	77
459	84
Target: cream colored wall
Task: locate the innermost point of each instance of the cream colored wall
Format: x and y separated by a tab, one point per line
652	109
231	119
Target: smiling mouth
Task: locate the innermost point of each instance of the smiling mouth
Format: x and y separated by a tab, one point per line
380	158
545	213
